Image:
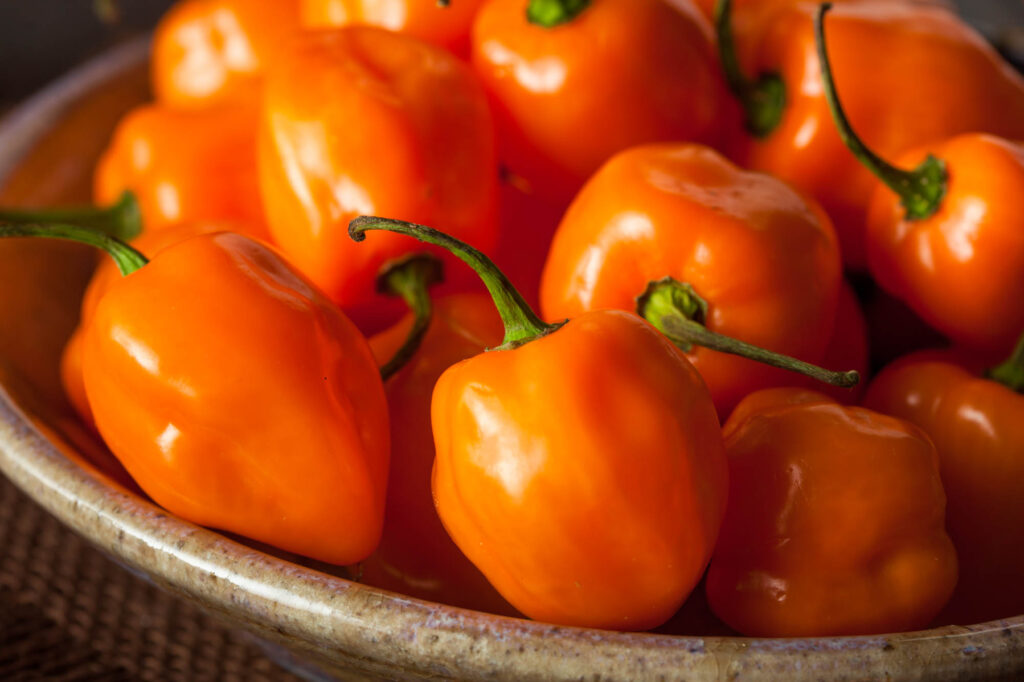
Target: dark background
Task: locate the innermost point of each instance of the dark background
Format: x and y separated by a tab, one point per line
40	39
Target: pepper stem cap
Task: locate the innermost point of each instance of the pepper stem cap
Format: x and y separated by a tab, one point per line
675	309
920	190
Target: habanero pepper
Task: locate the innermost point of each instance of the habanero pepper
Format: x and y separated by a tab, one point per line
575	81
211	51
976	421
908	73
273	427
361	120
185	166
445	24
416	556
946	236
579	466
106	274
835	523
763	258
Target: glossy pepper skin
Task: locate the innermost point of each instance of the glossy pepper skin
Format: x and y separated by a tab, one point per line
962	268
907	73
583	472
416	556
150	244
446	27
977	425
618	74
273	427
362	120
185	165
579	466
212	51
835	524
764	258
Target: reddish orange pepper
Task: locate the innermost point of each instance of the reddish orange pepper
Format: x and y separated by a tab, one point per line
362	120
835	521
945	236
416	556
961	268
106	274
444	24
185	166
574	82
579	466
977	424
283	440
908	73
207	51
763	258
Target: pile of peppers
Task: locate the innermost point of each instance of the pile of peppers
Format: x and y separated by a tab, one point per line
305	330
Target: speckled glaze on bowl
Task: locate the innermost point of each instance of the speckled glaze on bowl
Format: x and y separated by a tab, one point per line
345	630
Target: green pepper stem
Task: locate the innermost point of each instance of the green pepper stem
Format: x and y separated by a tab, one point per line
122	219
1011	372
410	279
551	13
127	258
764	99
921	190
521	324
676	310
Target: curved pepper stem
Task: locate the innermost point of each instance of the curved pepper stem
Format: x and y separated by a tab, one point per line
763	100
127	258
1011	372
551	13
676	310
921	190
521	324
122	219
410	279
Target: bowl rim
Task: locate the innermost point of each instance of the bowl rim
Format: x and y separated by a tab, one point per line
342	623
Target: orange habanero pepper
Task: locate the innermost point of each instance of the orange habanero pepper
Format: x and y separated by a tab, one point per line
946	236
977	424
835	521
575	81
273	426
445	24
416	556
361	120
579	466
185	166
764	259
909	74
207	51
106	274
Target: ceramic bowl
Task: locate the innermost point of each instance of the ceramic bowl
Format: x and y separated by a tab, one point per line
329	626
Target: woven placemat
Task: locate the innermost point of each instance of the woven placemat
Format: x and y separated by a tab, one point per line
69	613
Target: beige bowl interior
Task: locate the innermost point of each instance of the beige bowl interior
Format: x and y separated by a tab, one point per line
47	151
